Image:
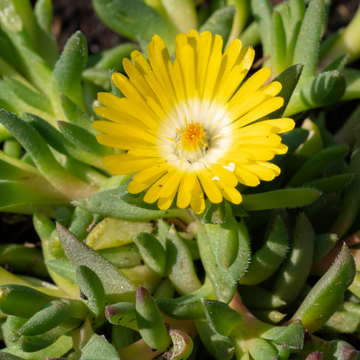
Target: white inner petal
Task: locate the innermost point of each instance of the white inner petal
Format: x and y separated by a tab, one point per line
215	119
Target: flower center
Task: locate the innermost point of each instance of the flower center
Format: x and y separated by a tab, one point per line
191	142
192	136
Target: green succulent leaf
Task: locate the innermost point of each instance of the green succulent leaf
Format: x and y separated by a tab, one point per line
220	22
92	290
346	319
83	139
39	342
187	307
123	257
289	78
4	356
66	76
261	349
12	296
62	346
351	200
278	54
76	115
152	252
267	260
262	11
33	98
111	232
224	239
291	336
48	317
179	264
294	271
98	348
151	325
317	164
135	18
221	347
307	44
123	313
323	244
352	84
332	183
112	58
223	280
109	203
36	146
44	15
61	143
327	295
258	298
278	199
320	90
62	267
80	222
221	318
113	280
337	349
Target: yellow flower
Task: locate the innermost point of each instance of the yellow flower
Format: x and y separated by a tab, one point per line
186	126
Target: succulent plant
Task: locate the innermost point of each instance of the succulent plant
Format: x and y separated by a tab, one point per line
223	266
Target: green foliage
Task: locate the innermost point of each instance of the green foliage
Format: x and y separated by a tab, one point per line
135	282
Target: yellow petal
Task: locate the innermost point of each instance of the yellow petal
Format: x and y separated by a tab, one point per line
109	127
224	175
120	164
136	187
125	106
160	61
173	183
252	84
187	184
197	202
213	67
150	172
138	80
281	125
144	152
245	177
122	142
262	172
271	141
156	190
204	48
119	117
207	183
264	109
229	193
165	202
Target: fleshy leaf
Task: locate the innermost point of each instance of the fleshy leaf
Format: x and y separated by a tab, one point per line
98	348
221	318
326	296
151	325
277	199
92	290
131	18
152	252
66	76
220	22
113	280
294	271
320	90
307	44
223	280
267	260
